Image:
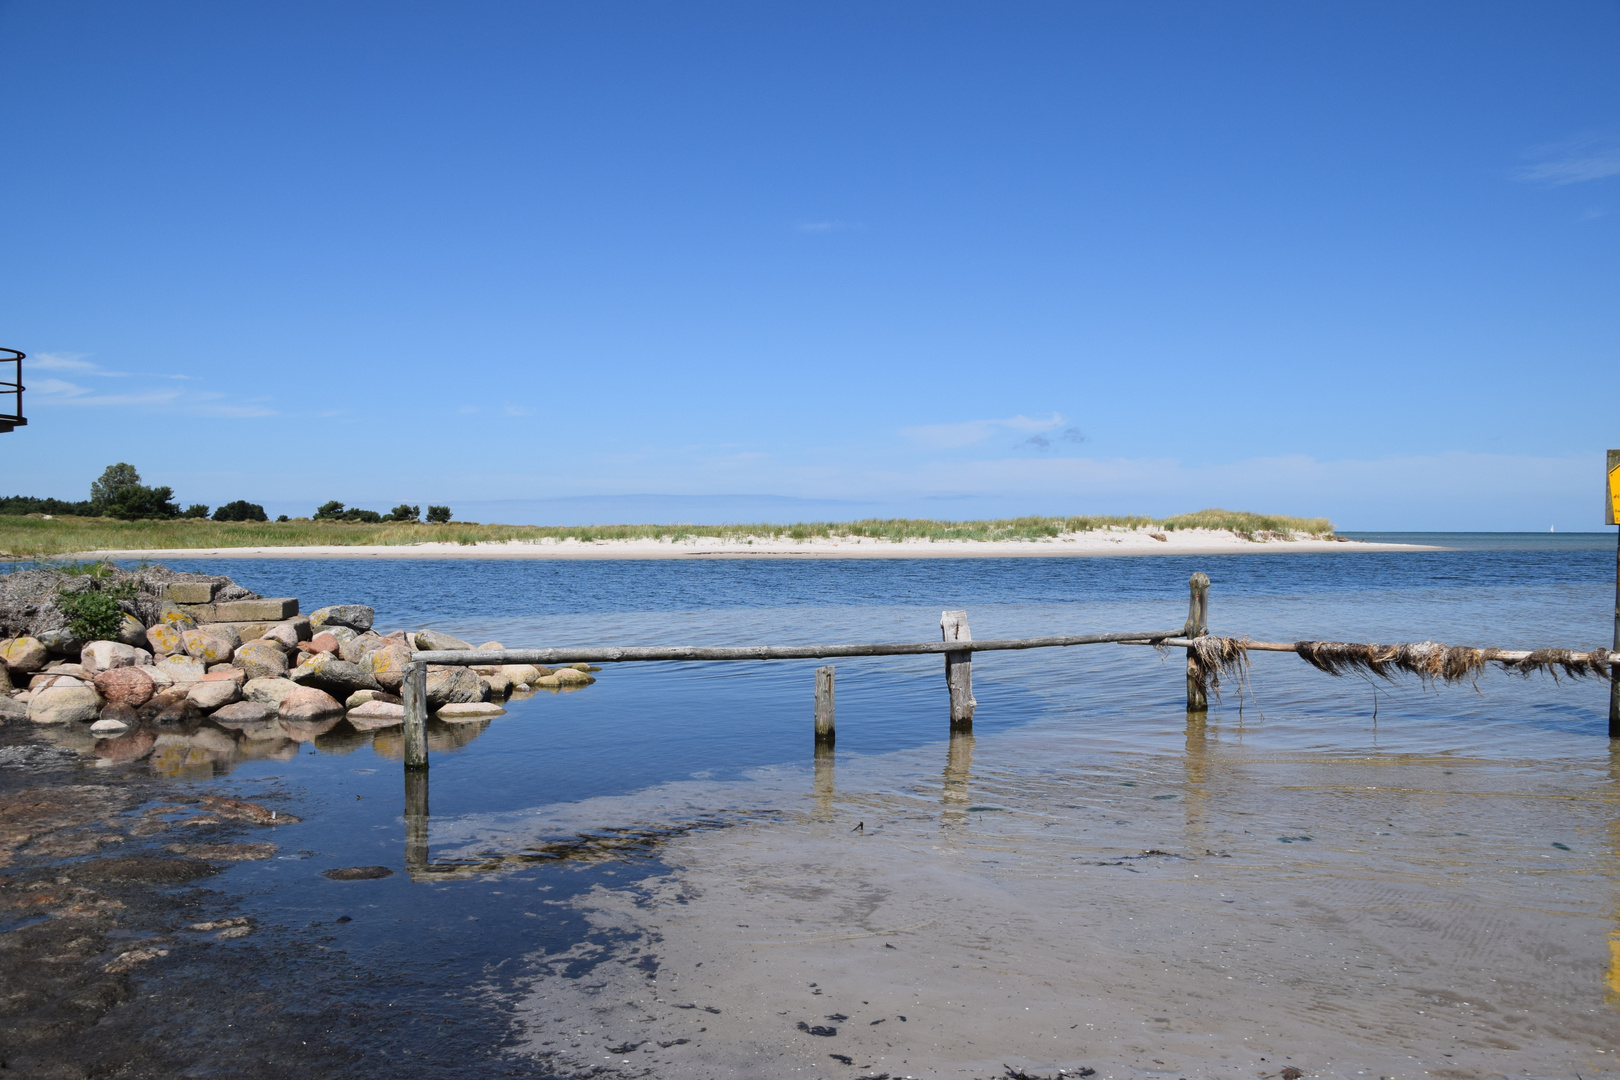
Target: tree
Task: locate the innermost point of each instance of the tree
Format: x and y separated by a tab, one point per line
282	518
114	479
405	512
329	511
438	515
139	501
241	510
196	510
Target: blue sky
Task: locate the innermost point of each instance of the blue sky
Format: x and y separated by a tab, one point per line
551	262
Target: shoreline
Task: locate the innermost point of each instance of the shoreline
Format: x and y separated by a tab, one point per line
1097	543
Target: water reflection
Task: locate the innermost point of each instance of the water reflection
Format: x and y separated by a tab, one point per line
416	821
958	774
822	786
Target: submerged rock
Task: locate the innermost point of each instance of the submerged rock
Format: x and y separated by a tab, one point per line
462	711
357	873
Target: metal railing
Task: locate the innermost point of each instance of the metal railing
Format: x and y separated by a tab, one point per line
12	388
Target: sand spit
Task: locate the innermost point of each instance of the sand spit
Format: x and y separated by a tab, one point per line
1097	542
1218	915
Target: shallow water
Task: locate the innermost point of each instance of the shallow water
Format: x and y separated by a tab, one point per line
1474	787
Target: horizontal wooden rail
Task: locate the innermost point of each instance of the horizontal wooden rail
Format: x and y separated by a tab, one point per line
629	653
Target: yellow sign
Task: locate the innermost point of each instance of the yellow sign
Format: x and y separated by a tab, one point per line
1611	505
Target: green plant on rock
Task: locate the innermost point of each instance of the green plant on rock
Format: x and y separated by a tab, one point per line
93	613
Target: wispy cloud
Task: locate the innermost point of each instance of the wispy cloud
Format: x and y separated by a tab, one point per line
1577	161
1043	441
148	390
971	432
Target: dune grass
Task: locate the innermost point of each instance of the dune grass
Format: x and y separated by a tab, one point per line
38	537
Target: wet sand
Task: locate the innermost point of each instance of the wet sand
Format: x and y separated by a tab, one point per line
1216	913
1102	542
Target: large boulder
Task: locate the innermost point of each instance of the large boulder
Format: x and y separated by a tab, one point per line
211	694
387	665
65	705
242	713
24	654
261	659
131	631
225	630
129	686
103	655
283	634
11	709
496	685
164	639
337	677
183	669
451	685
208	647
360	697
47	679
357	650
522	673
61	641
308	704
432	640
325	641
269	692
377	714
356	617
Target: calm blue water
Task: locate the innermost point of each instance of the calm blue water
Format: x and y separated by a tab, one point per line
646	725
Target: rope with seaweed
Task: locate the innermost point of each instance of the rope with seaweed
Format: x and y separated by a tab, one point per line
1429	660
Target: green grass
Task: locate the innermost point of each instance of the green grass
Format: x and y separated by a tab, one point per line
36	537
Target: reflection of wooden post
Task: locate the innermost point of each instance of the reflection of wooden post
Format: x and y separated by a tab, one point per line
958	670
824	706
414	696
416	820
958	776
823	783
1197	626
1614	668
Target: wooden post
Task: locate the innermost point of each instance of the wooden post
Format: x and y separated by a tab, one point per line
958	670
414	695
1614	668
824	706
416	821
1197	626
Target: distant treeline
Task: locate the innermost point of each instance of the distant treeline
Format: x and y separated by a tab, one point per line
22	505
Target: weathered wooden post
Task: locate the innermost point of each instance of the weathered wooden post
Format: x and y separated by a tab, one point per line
414	696
416	821
1197	626
959	669
825	736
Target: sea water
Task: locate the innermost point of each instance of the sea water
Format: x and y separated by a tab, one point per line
673	746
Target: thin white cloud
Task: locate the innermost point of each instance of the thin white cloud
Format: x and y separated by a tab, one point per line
972	432
151	390
1575	162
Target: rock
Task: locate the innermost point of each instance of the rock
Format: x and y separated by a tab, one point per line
361	647
266	609
569	676
306	703
207	647
459	712
522	673
65	705
356	617
377	714
162	700
160	678
241	713
224	630
23	654
164	639
62	642
211	694
182	669
324	642
47	679
225	671
108	726
261	659
128	686
433	640
357	873
490	645
174	618
283	634
5	680
104	655
130	631
360	697
190	592
497	685
452	685
178	710
387	665
337	677
269	692
12	709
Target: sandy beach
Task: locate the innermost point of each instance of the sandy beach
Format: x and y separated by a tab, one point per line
1101	542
